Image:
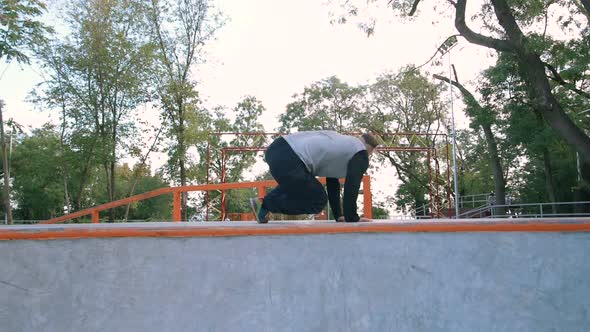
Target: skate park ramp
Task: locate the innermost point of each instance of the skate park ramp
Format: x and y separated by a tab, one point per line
297	276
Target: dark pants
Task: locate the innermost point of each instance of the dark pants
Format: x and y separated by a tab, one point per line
298	191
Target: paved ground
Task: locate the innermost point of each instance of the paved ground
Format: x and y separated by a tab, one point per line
362	277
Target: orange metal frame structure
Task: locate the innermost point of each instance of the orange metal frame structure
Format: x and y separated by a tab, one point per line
431	154
261	186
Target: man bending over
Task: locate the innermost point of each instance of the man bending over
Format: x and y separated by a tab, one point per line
296	159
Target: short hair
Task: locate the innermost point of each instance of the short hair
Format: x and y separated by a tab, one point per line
370	139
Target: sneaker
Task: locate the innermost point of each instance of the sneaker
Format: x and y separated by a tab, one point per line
261	214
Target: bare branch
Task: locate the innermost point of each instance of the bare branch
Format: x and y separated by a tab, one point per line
414	8
508	22
476	38
461	88
557	78
546	14
455	73
410	173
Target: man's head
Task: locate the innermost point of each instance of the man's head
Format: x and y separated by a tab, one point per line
371	141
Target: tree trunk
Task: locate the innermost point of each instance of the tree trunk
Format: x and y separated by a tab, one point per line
182	166
499	182
83	180
7	205
106	167
550	187
112	193
539	88
550	108
65	177
141	164
586	4
533	69
112	166
477	111
64	165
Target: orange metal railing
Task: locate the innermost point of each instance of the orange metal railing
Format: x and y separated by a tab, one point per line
261	186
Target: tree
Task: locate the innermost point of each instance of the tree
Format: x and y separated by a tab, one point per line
157	208
483	117
507	36
246	116
180	28
407	102
476	175
20	30
395	103
99	74
329	104
38	190
527	135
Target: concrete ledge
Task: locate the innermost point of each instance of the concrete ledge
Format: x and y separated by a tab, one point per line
230	229
397	281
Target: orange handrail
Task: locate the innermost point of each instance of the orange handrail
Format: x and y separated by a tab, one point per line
176	191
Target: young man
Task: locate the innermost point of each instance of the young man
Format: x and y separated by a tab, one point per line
296	159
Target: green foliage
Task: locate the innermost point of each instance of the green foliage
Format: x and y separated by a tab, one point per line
98	74
329	104
180	28
379	213
246	118
38	183
157	208
475	173
119	54
527	140
405	101
39	189
20	30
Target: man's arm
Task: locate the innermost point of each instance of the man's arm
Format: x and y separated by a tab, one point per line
333	186
357	166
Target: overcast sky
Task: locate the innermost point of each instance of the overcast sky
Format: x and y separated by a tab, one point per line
272	49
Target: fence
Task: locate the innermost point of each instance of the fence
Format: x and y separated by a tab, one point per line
176	192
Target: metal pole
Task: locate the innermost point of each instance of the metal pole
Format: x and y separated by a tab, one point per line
223	212
207	197
430	185
578	167
437	187
454	141
448	177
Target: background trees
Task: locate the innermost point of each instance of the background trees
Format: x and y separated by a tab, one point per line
180	29
20	31
113	59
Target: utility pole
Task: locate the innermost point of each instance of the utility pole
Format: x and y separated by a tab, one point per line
445	48
7	206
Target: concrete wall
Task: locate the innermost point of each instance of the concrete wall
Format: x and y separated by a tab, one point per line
344	282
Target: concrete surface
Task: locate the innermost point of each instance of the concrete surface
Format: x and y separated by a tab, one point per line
328	282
